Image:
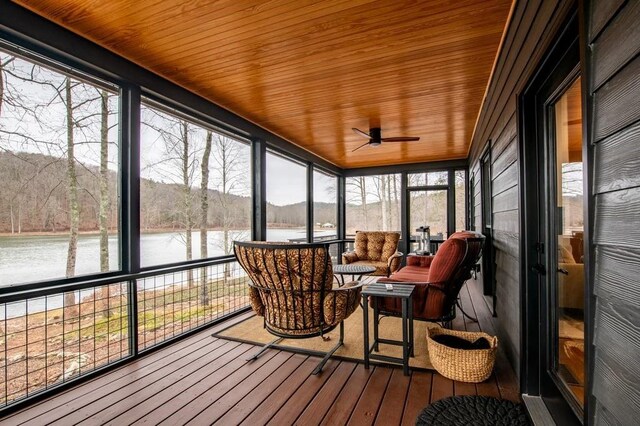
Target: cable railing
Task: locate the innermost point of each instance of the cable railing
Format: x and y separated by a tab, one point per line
54	334
173	303
51	339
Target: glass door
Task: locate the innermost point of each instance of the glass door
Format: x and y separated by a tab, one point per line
552	224
427	208
566	226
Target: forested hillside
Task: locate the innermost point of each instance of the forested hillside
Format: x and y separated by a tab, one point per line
34	198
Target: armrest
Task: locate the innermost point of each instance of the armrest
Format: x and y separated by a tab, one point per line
438	285
349	257
394	262
353	285
419	260
256	301
341	302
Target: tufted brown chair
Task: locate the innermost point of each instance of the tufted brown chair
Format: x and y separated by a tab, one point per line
375	248
292	288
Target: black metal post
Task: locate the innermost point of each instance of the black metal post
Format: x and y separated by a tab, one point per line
342	215
259	189
376	346
310	218
405	221
365	328
451	202
467	217
405	337
130	155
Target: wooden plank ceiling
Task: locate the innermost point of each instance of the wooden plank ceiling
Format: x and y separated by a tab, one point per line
309	71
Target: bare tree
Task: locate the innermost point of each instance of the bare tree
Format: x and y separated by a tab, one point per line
186	190
178	164
229	179
104	181
74	212
204	214
359	185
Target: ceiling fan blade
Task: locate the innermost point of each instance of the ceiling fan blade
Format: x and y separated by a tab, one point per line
400	139
366	143
360	133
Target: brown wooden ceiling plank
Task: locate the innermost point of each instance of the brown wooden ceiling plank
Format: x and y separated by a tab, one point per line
283	19
463	51
433	36
355	91
293	26
374	107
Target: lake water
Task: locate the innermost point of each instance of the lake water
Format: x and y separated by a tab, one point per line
25	259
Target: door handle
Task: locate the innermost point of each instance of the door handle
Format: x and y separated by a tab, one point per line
539	269
563	271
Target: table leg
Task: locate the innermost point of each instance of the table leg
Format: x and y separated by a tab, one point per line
365	326
405	338
375	324
411	336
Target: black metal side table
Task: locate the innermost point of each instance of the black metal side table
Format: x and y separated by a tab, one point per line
403	292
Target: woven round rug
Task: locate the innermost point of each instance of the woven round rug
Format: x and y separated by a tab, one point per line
473	410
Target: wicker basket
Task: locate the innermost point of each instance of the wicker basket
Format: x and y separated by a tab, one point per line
464	365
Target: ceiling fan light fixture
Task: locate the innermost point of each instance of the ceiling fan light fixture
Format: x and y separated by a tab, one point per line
375	138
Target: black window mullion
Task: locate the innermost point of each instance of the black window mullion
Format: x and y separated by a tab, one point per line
130	200
310	218
404	213
451	202
259	190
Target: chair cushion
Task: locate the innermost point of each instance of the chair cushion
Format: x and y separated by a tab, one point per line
447	259
375	245
565	255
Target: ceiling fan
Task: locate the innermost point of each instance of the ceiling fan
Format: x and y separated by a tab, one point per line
375	138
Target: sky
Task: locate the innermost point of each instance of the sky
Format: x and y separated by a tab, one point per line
287	183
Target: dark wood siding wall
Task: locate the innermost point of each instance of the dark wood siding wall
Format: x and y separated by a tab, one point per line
533	24
613	66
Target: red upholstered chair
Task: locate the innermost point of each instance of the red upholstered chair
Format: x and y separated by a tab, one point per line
438	278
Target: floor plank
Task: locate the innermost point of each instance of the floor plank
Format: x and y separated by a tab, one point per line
290	411
323	400
140	407
88	404
418	397
221	405
270	406
392	406
200	401
247	404
441	387
347	399
367	407
462	388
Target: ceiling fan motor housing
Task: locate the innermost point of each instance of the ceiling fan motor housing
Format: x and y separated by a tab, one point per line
376	135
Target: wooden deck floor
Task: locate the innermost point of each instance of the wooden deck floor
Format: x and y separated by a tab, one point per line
204	380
